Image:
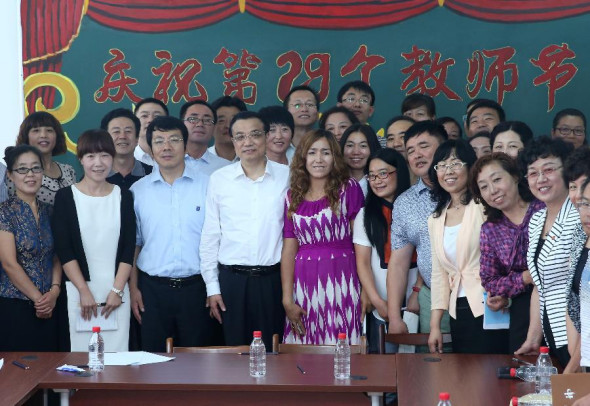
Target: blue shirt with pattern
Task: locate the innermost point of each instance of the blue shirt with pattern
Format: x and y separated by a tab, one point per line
410	225
34	244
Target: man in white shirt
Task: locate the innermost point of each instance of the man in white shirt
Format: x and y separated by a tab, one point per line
242	237
146	111
199	119
225	108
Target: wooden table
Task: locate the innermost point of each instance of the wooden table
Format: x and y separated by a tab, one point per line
213	379
17	385
470	379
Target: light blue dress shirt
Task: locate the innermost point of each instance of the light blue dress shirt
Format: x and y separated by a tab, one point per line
207	164
169	222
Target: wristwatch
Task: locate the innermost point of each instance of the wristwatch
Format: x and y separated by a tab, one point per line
119	292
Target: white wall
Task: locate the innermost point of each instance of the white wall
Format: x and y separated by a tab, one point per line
11	72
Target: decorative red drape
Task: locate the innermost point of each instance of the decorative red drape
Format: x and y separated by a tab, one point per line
49	27
338	14
518	11
160	15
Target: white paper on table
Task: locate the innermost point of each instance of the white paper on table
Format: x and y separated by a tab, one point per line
494	320
1	362
98	321
411	320
134	358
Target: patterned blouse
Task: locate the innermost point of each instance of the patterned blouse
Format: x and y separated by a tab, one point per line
34	244
503	246
50	186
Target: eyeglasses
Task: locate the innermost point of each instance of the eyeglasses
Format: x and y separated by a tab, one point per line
454	166
583	206
254	135
579	132
381	175
196	120
547	172
24	171
353	100
309	105
173	141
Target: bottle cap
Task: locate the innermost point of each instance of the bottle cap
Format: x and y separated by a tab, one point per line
444	396
257	334
513	372
342	336
96	329
544	350
514	401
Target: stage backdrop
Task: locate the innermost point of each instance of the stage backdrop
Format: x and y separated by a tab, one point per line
84	58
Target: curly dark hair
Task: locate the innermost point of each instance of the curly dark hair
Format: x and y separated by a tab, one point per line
509	165
300	181
461	150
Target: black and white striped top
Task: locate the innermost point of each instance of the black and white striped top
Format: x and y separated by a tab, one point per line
551	274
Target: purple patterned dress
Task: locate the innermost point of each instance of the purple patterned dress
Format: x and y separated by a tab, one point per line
325	282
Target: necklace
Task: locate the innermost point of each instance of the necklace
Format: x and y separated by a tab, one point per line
456	207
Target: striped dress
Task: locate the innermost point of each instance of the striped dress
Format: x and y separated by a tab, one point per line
551	269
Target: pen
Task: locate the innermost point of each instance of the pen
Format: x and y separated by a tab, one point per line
268	353
81	366
520	361
18	364
104	304
301	369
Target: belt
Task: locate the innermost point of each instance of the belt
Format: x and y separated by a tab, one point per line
247	270
174	282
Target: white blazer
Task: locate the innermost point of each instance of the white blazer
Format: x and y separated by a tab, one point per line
551	274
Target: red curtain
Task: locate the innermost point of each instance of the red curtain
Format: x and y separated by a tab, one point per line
338	14
160	15
48	28
517	11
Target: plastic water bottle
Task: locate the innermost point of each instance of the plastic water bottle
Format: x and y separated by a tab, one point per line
544	369
444	399
342	358
257	356
96	351
527	374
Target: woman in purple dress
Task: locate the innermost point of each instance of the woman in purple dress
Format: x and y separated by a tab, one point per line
321	289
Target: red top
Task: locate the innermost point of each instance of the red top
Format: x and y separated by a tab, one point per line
544	350
257	334
96	329
444	396
342	336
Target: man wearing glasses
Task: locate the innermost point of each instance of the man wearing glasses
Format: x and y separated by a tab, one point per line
358	97
304	105
242	237
168	295
200	118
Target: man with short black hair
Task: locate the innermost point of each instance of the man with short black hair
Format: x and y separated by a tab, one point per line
303	103
358	97
419	107
124	126
225	108
484	116
242	237
200	118
168	295
409	230
146	110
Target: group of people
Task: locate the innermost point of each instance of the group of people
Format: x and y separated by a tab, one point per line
298	225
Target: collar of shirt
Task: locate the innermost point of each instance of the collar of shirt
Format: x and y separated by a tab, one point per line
189	172
421	187
239	171
136	171
206	157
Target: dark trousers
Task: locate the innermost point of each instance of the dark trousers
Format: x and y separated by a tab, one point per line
468	334
519	320
561	353
22	330
252	303
177	312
